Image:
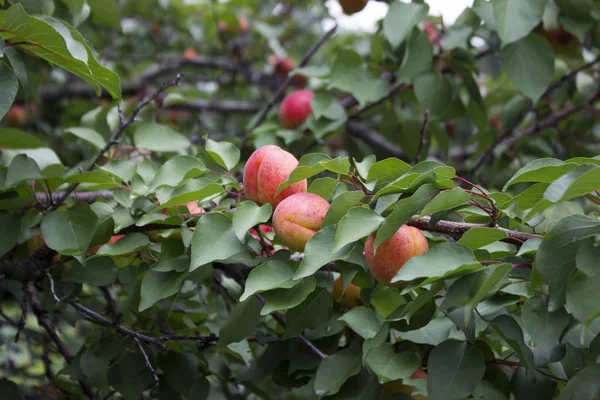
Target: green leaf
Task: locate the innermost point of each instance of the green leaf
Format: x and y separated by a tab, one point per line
192	190
583	386
89	135
529	64
339	165
323	187
356	224
455	369
443	261
556	256
544	327
10	87
105	12
181	371
69	231
177	170
335	370
365	165
582	291
578	182
510	332
363	321
515	19
363	386
418	58
98	272
319	252
159	285
213	240
476	238
309	165
470	290
545	170
16	139
387	170
390	366
526	386
10	227
400	20
309	314
434	91
340	206
247	215
22	168
446	200
403	211
456	37
224	153
172	257
284	299
126	245
159	138
241	323
346	70
60	44
273	274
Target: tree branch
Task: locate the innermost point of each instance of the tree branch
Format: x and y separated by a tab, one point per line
81	89
223	106
46	323
361	131
457	229
79	197
422	136
552	120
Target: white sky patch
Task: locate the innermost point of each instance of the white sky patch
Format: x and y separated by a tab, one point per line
365	21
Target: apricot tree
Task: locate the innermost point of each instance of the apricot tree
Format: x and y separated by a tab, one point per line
242	200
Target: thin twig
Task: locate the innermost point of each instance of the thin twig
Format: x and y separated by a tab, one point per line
281	89
21	324
46	323
147	361
114	140
52	287
422	133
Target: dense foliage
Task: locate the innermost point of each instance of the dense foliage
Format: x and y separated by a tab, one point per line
135	264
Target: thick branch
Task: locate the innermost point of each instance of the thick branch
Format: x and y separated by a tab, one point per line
223	106
361	131
457	229
509	138
552	120
140	83
79	197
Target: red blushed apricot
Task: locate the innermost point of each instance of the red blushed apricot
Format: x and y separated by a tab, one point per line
266	169
295	108
392	254
113	239
297	218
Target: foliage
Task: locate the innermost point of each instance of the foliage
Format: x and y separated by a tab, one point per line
132	265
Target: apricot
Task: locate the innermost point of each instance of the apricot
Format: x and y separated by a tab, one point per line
352	6
351	295
392	254
190	53
283	66
266	169
297	218
295	108
16	117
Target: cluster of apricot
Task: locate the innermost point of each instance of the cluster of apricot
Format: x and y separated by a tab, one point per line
298	216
